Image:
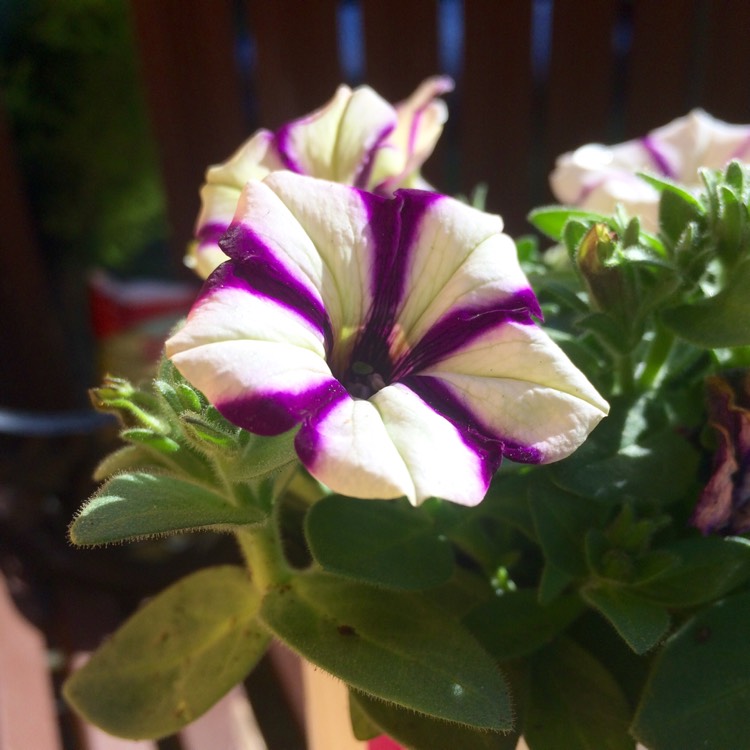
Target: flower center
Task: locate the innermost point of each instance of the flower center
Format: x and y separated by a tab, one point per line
362	381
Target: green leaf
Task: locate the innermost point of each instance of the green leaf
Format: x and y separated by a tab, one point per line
677	208
515	624
562	520
551	220
709	568
719	321
641	623
425	732
140	505
699	688
660	468
608	330
391	645
386	543
552	583
574	703
732	226
507	502
128	458
174	658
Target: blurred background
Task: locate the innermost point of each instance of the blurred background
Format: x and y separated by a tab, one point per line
111	110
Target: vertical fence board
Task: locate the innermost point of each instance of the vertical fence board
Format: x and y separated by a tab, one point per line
661	69
34	372
401	46
496	105
580	96
727	61
297	66
193	92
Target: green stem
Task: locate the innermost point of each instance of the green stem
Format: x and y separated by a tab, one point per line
658	351
262	550
625	376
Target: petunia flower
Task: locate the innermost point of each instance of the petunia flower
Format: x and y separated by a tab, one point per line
357	139
597	177
724	505
399	333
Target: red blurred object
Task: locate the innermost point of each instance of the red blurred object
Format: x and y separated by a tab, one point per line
131	320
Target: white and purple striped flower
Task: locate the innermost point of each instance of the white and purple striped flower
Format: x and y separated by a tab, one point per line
357	139
397	332
597	178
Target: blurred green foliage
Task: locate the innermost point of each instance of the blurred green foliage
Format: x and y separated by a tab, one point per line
68	75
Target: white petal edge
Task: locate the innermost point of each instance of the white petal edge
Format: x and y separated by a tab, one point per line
355	455
227	371
235	314
524	388
335	221
439	461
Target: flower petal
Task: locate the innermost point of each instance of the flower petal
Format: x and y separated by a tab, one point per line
348	448
440	461
597	177
336	141
420	120
458	259
261	363
321	234
520	387
219	195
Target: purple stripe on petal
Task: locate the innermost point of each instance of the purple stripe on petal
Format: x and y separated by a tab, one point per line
394	225
489	446
274	412
461	326
282	141
254	267
307	440
212	231
362	176
657	156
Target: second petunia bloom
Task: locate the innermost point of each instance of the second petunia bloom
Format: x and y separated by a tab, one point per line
357	138
398	332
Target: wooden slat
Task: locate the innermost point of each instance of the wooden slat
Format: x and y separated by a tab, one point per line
726	62
194	94
580	87
662	64
30	333
27	712
496	106
401	47
297	67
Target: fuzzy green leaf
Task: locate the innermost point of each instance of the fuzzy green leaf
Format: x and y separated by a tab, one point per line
575	703
425	732
708	568
391	645
140	505
515	624
641	623
719	321
699	689
174	658
551	220
385	543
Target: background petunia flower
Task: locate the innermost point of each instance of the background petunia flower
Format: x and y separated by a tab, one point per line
398	332
357	139
724	505
597	177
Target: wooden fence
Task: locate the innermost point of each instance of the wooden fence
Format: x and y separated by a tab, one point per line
534	79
